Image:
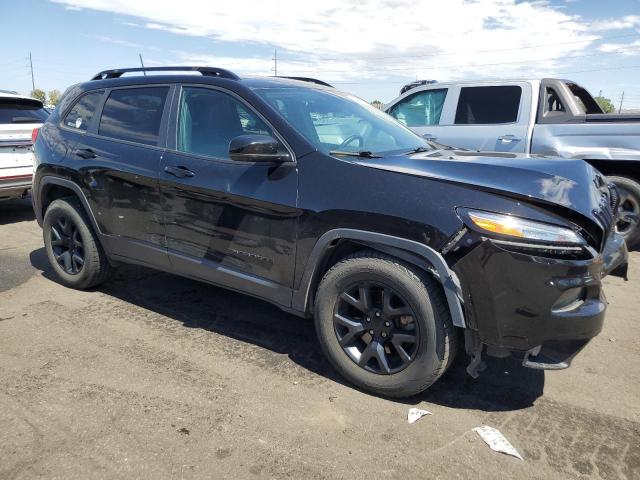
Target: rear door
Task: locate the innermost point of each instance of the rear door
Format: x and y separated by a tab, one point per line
18	117
227	222
118	161
489	117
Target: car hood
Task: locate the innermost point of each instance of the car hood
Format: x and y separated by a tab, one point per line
570	183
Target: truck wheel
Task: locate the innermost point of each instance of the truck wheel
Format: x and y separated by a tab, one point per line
72	246
384	325
629	224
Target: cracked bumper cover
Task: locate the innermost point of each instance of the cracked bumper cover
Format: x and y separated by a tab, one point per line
516	301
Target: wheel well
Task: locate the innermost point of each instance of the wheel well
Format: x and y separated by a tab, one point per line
343	247
53	192
622	168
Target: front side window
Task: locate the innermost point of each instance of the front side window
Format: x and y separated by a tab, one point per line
82	111
210	119
134	114
488	105
420	109
332	121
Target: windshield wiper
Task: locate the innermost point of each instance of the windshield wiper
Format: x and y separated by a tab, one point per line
363	154
418	150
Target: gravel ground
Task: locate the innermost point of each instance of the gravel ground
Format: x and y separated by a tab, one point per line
154	376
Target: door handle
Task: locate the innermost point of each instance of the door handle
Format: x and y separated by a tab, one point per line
85	153
428	136
178	171
509	138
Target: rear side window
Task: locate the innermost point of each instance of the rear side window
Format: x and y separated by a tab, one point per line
82	111
134	114
420	109
19	110
488	105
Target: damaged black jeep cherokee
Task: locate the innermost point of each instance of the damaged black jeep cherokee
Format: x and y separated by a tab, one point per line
295	193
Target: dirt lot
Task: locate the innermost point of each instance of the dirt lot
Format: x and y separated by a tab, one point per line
154	376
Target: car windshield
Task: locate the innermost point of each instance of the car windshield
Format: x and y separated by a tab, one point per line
337	123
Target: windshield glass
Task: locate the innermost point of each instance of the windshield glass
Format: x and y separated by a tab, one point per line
335	122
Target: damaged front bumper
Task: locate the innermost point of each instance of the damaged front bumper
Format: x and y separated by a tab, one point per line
540	308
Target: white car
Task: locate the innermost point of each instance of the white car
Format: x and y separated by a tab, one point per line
20	116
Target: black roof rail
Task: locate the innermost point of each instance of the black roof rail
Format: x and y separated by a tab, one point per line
309	79
205	71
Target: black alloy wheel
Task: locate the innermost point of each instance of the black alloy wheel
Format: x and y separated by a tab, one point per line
376	327
67	245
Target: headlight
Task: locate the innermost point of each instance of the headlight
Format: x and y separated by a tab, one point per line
521	229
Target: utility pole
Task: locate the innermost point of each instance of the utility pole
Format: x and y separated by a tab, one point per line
275	62
33	83
621	100
142	63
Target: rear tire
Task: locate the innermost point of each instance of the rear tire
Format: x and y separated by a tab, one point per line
72	246
629	226
416	307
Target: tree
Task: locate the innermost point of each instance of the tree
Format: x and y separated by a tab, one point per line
606	104
39	94
54	97
378	104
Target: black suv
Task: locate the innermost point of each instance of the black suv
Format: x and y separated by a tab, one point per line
311	199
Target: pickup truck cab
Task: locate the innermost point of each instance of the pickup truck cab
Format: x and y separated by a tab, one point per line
552	117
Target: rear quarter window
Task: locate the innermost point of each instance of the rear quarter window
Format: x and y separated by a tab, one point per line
134	114
18	110
488	105
82	111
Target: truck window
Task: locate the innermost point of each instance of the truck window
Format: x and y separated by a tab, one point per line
134	114
488	105
420	109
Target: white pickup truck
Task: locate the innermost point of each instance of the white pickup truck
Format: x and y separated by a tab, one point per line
19	116
548	117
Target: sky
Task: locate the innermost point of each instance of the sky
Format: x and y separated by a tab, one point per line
370	48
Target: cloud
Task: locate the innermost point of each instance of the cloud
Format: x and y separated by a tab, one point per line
629	21
348	39
632	48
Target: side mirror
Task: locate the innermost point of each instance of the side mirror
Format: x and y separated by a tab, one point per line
257	148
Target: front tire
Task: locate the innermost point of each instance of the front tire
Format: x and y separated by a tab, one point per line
629	224
72	247
384	324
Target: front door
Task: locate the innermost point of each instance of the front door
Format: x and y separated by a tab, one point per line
227	222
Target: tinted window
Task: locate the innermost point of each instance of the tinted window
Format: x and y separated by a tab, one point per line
209	119
18	110
420	109
334	121
134	114
82	112
487	105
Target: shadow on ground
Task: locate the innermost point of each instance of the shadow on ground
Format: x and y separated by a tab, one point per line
13	211
505	385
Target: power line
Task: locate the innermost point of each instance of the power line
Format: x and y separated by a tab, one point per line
466	65
487	51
